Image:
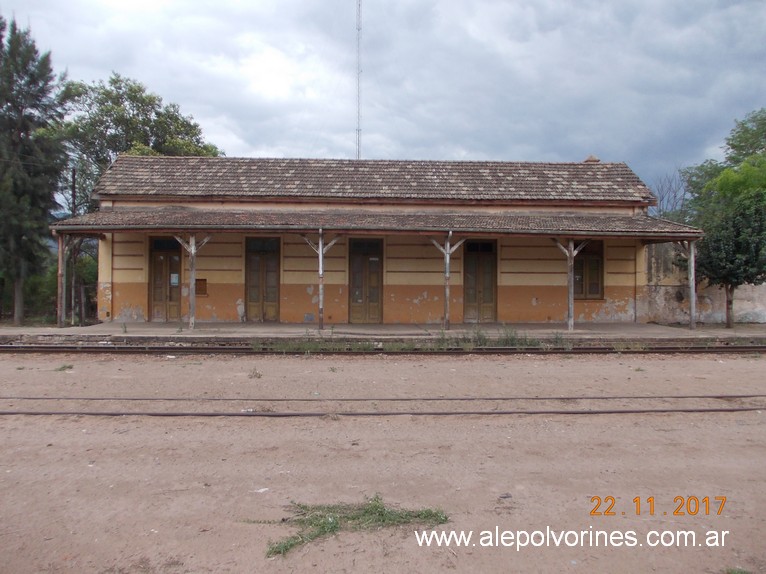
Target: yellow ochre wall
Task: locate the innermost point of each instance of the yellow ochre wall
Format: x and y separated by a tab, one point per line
413	282
222	263
531	281
299	290
123	275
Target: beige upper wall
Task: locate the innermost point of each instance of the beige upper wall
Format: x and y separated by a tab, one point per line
377	208
412	260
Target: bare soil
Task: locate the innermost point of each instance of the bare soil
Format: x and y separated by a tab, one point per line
207	494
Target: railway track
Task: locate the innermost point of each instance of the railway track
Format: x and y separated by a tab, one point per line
223	349
281	407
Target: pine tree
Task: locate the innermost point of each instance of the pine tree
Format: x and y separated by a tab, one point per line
32	155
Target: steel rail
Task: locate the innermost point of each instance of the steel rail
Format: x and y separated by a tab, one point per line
616	348
314	414
383	399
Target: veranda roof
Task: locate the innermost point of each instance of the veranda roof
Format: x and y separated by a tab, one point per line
190	219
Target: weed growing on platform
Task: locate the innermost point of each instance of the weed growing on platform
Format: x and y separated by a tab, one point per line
64	368
510	338
480	338
318	520
559	342
442	341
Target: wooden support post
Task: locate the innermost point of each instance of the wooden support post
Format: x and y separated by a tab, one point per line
192	280
60	298
689	250
320	249
320	253
692	286
192	248
571	252
73	248
447	251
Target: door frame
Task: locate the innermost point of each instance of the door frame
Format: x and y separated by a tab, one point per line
489	255
169	247
262	285
380	254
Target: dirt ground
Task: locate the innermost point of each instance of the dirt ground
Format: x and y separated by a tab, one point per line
206	494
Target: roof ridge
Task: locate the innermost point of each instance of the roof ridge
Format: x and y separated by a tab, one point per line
358	161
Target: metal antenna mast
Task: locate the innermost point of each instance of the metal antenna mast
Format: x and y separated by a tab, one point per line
358	79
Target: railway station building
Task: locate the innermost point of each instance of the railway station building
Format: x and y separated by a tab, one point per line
322	241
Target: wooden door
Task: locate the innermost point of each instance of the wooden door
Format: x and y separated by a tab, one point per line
166	286
366	281
480	282
262	279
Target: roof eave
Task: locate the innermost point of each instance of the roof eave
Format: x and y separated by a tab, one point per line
298	229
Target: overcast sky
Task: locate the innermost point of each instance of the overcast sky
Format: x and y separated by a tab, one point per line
655	83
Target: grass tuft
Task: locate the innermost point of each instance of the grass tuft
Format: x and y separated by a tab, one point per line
320	520
64	368
255	373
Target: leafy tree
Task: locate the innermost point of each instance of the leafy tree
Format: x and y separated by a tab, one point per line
32	155
722	198
106	119
732	212
695	179
748	138
121	116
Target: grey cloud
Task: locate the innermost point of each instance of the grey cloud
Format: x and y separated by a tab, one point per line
653	83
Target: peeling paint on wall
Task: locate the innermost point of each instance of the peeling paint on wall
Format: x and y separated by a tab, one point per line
668	294
130	314
105	290
620	310
241	310
422	297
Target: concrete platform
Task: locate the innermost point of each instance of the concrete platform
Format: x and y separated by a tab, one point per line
229	333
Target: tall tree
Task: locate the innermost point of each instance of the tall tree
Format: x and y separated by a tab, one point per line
32	154
748	138
732	212
110	118
121	116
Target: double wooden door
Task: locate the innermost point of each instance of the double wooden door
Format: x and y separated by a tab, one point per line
480	282
366	281
262	279
165	300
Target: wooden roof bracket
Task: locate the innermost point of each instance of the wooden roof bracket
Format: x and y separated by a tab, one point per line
447	250
192	247
320	249
571	252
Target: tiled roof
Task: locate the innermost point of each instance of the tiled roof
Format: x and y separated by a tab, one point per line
377	180
179	219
